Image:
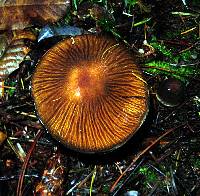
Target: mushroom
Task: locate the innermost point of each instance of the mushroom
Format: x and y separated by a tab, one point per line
89	93
170	92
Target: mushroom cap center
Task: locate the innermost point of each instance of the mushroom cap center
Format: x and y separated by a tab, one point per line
86	82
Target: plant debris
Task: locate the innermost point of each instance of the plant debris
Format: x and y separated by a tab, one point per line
162	158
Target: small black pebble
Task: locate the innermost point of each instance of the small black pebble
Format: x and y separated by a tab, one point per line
170	92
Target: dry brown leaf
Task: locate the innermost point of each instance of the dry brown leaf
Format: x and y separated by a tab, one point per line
18	14
14	53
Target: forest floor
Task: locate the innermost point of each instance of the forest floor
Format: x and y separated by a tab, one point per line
163	157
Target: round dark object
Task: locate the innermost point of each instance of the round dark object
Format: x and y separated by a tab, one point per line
171	92
89	93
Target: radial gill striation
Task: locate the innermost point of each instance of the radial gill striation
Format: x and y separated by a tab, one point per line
89	93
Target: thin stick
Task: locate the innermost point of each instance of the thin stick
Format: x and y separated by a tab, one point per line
24	166
141	154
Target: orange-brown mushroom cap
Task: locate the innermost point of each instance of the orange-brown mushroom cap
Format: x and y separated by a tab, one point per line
89	93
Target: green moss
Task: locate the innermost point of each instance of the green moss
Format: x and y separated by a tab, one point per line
150	175
196	162
129	4
170	65
162	67
10	91
105	189
162	48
